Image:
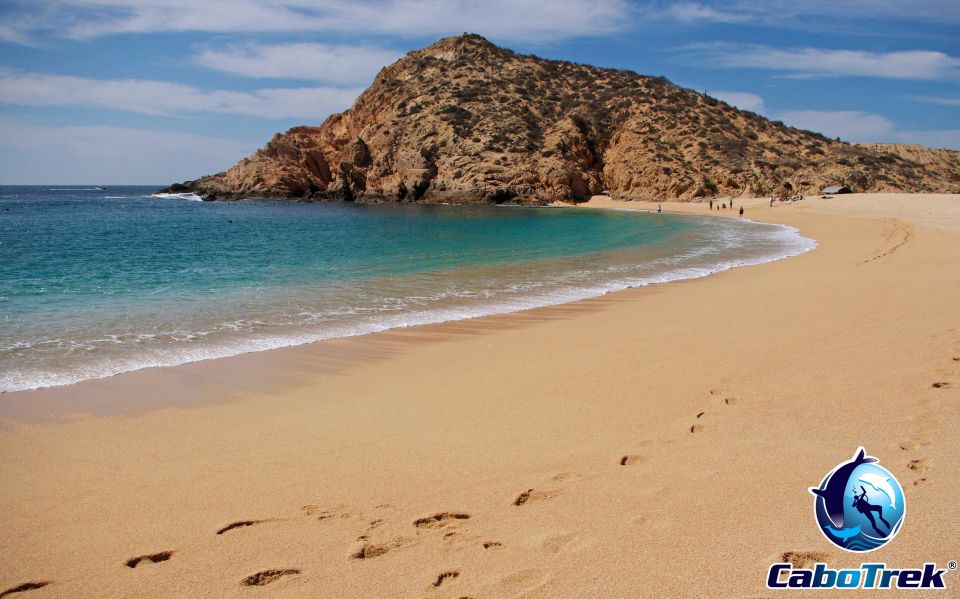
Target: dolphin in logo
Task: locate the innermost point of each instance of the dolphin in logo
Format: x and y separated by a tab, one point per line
881	484
835	487
845	533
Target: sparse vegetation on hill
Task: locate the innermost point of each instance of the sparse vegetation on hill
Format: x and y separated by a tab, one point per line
466	121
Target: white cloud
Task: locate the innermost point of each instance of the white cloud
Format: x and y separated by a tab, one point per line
851	125
945	138
741	100
858	126
941	11
793	14
503	19
31	154
820	62
166	99
316	62
692	12
940	100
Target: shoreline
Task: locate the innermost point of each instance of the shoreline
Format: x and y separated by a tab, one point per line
599	447
794	246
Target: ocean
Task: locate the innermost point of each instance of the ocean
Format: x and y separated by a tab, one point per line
94	282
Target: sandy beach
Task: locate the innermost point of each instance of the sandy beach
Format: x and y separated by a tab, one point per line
655	442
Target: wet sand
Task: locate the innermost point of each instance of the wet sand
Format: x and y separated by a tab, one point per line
653	442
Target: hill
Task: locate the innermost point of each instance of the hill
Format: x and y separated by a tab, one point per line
464	121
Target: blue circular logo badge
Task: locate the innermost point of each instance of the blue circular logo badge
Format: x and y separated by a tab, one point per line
859	505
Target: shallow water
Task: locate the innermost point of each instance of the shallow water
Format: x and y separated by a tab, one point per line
96	282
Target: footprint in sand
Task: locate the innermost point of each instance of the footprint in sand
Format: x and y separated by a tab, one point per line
631	459
323	513
440	519
804	559
920	466
242	524
522	580
696	428
267	576
941	385
492	545
369	550
451	535
445	576
730	401
27	586
153	558
556	543
532	496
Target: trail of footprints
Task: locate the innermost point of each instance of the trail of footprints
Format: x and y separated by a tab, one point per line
726	400
920	465
368	549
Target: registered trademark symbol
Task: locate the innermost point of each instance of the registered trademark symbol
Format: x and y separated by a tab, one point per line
952	564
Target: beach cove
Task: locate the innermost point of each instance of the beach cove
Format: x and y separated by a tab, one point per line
656	441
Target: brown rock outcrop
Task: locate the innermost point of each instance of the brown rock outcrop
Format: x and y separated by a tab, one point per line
466	121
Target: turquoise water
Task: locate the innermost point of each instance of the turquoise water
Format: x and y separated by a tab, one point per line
95	282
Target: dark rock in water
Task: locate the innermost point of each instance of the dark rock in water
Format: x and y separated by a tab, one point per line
185	187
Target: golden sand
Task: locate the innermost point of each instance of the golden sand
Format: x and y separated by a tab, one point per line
654	442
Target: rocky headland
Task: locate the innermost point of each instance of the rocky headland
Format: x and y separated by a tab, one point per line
465	121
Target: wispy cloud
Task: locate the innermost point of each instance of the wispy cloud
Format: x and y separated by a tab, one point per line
170	99
741	100
502	19
695	12
317	62
852	125
821	62
849	125
31	154
942	101
793	14
858	126
942	138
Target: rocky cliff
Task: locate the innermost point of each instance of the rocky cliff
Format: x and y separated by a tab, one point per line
465	121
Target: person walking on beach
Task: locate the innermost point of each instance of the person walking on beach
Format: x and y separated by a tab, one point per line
658	208
711	204
731	203
771	201
741	211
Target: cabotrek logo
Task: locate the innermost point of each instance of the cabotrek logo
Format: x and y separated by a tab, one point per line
859	507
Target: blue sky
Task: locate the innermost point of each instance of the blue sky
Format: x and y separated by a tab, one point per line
156	91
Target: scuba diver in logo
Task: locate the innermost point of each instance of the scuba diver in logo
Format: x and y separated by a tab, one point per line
866	508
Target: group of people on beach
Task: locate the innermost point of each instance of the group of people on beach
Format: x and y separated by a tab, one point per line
796	198
723	206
